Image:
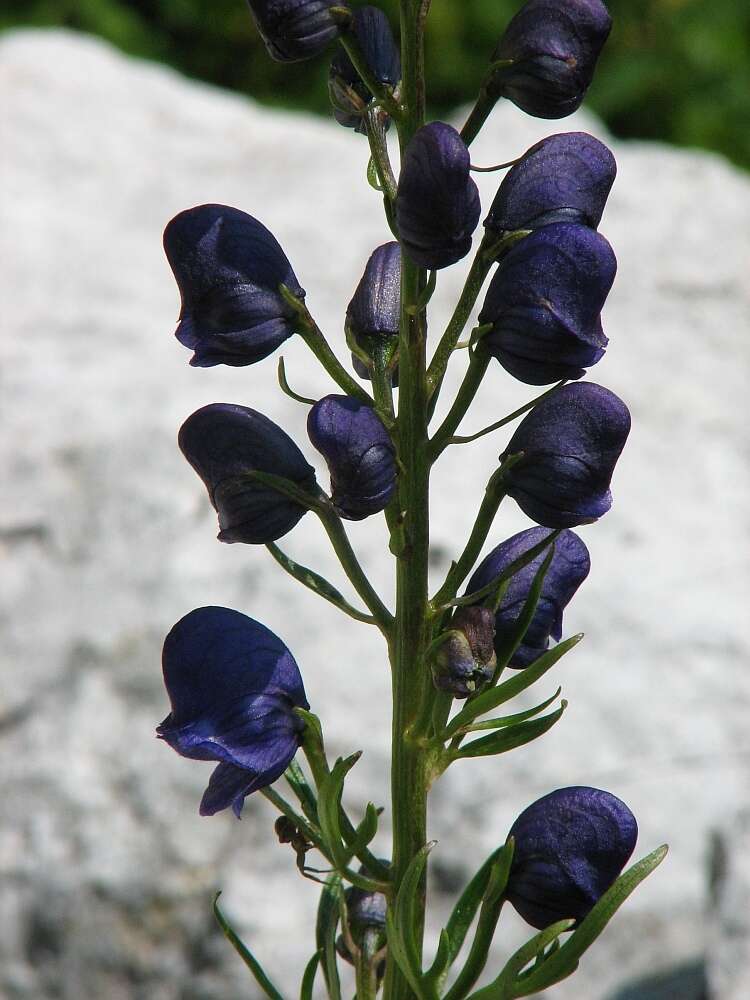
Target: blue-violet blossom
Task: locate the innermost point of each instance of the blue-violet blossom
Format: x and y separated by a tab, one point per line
567	570
229	268
570	846
563	178
553	46
224	443
349	95
570	442
359	454
437	204
233	686
373	316
544	304
295	29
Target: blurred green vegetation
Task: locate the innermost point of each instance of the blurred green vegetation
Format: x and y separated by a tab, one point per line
676	70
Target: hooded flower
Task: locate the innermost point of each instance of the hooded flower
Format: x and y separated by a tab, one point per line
233	686
374	313
349	95
566	572
544	304
570	846
437	204
570	441
563	178
359	454
224	442
295	29
229	267
553	46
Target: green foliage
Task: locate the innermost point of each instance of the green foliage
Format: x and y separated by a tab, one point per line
676	70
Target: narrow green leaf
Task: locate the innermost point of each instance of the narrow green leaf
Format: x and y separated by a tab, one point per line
245	954
295	778
397	949
287	389
372	175
318	584
510	571
405	909
500	872
564	961
522	679
509	738
325	934
510	720
329	807
503	988
364	832
443	957
308	979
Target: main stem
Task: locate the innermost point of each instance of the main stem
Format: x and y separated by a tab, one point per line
411	628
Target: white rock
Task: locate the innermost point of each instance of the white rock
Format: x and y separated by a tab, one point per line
108	539
729	915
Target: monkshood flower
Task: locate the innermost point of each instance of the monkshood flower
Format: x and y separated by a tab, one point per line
359	454
349	95
224	442
295	29
544	304
563	178
233	686
437	204
229	267
570	846
365	913
466	661
554	46
373	315
570	442
566	572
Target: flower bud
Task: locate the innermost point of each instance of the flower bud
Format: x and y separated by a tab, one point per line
437	203
233	686
359	454
365	913
374	314
563	178
570	442
224	442
544	304
570	846
229	267
567	570
295	29
466	661
553	46
349	95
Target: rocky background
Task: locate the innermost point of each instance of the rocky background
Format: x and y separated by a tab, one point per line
107	539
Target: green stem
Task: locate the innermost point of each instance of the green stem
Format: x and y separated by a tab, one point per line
478	115
492	499
480	359
480	268
376	136
318	344
411	633
349	562
506	420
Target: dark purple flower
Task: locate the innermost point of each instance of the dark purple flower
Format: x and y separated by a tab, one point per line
224	442
233	686
563	178
570	846
295	29
349	95
554	46
229	267
570	441
365	915
566	572
466	661
359	454
544	304
437	205
374	313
